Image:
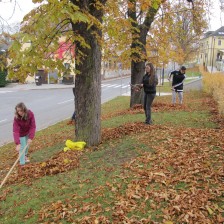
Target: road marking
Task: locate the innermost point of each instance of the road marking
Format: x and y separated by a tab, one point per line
3	92
125	86
3	120
66	101
117	86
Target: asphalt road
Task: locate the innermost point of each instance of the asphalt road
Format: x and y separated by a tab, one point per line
50	105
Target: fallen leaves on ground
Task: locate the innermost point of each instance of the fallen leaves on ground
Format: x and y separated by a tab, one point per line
59	163
184	180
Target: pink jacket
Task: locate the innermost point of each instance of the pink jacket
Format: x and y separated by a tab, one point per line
23	128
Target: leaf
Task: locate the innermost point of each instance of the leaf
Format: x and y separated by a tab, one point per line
209	210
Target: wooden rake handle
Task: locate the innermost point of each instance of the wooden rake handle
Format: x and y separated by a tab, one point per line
6	177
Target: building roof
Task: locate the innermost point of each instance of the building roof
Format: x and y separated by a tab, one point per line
217	33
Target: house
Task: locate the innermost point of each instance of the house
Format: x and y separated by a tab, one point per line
211	54
65	52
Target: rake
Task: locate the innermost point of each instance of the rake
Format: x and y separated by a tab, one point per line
6	177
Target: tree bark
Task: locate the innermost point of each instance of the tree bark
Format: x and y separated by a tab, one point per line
88	80
137	71
88	97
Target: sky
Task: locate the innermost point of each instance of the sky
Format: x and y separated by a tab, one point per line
22	7
13	11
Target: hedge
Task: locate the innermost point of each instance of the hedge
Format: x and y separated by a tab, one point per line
3	81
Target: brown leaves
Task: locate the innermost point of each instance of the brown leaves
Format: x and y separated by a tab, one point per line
61	162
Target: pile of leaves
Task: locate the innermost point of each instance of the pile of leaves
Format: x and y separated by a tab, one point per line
156	107
59	163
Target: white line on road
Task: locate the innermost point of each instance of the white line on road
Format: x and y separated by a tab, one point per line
3	92
3	120
125	86
66	101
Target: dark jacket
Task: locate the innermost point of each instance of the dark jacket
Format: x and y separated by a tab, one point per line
178	79
149	88
23	127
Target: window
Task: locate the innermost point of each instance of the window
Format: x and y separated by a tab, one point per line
219	42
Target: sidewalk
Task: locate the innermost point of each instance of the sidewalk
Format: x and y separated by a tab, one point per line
33	86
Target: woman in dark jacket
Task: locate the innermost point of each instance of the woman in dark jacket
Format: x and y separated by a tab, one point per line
149	83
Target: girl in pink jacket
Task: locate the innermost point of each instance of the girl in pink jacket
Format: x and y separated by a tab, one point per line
24	128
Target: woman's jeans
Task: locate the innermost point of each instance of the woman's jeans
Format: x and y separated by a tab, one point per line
148	99
23	143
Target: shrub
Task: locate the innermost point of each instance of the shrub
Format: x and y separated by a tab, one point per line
3	81
213	83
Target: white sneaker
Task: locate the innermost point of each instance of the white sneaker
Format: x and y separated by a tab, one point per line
27	160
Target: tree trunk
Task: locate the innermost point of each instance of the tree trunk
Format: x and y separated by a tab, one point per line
88	96
137	71
88	79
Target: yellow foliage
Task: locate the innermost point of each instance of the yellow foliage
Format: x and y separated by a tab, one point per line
213	83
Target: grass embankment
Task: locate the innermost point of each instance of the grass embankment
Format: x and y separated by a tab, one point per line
170	172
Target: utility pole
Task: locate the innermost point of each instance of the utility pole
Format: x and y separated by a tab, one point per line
213	53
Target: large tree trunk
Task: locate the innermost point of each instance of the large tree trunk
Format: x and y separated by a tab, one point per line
88	97
88	79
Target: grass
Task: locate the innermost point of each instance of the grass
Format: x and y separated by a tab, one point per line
155	174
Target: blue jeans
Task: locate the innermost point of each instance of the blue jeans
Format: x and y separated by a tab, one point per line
23	143
148	99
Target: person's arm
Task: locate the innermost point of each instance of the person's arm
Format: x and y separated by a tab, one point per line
156	80
32	129
169	76
16	130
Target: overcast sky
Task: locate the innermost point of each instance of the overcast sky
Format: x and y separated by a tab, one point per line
14	11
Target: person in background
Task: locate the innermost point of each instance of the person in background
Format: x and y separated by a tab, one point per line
24	128
178	78
149	82
72	121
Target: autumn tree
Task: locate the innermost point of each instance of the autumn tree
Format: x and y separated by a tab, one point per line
138	16
79	23
176	32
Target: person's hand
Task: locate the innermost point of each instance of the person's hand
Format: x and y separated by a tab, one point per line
29	141
18	147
